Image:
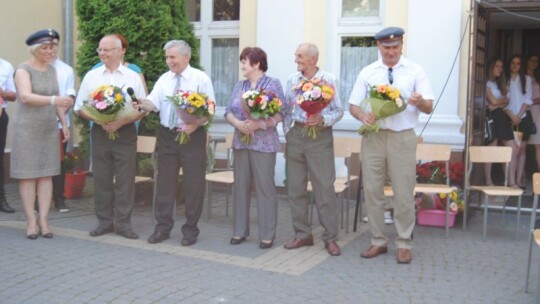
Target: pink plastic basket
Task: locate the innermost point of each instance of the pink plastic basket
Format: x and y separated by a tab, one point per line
433	217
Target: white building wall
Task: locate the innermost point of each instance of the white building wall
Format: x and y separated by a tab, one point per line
433	41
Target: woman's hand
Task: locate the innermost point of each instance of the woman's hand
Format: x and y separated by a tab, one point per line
63	101
65	132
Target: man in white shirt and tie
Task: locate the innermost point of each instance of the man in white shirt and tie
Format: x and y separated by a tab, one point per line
191	156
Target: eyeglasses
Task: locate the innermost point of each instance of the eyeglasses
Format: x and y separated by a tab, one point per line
105	50
390	76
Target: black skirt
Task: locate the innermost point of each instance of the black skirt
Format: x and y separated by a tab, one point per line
502	125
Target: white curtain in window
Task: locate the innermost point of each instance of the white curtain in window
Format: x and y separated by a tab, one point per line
225	65
353	59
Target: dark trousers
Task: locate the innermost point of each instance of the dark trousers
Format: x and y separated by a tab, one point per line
114	164
59	180
4	119
191	157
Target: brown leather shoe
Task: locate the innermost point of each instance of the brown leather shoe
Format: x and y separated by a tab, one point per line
373	251
403	256
297	243
333	248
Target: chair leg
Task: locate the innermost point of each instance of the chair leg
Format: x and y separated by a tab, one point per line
518	217
341	210
208	201
358	207
447	219
227	200
485	216
348	206
529	261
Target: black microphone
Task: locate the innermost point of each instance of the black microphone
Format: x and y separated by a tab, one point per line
131	94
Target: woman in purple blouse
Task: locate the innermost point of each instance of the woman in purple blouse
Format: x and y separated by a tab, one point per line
254	162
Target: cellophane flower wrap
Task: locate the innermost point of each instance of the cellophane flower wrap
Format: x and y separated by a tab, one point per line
191	106
313	96
259	104
384	101
103	105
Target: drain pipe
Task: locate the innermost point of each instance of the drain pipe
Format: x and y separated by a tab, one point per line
68	53
68	32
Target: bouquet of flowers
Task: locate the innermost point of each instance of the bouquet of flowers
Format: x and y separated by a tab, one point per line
312	97
191	106
384	101
103	105
259	104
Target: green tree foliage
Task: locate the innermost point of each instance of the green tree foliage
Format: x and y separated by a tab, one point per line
147	25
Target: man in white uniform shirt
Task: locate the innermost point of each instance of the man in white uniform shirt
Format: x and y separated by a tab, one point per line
191	156
7	93
114	161
66	87
392	150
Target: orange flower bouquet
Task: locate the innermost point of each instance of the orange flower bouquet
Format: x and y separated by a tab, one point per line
383	101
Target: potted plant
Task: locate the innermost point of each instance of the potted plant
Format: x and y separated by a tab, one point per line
74	177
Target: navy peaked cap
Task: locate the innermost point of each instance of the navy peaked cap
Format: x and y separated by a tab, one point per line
42	36
390	36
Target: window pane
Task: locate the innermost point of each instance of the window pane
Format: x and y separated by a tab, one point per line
193	8
225	10
224	68
360	8
356	53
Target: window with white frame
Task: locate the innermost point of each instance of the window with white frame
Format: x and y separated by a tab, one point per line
356	53
354	22
217	24
360	8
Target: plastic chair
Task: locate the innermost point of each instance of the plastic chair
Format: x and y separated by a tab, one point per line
147	145
534	229
223	177
344	147
491	154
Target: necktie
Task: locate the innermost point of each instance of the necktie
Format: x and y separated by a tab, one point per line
173	117
390	76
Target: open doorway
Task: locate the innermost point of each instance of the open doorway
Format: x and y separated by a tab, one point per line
501	29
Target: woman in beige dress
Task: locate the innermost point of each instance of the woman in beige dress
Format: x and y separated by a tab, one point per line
35	153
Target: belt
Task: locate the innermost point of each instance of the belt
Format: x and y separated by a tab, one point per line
303	124
174	130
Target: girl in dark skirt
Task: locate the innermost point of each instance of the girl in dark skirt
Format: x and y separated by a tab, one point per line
496	101
519	96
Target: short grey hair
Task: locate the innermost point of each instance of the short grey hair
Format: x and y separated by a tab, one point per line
183	47
34	47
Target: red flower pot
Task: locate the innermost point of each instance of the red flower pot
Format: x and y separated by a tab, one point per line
74	184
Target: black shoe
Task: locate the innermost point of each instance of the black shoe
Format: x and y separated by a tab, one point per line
5	207
61	205
158	237
32	236
128	234
47	235
186	242
101	231
264	245
236	240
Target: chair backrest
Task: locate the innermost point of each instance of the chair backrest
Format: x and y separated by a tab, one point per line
433	152
536	183
146	144
346	146
490	154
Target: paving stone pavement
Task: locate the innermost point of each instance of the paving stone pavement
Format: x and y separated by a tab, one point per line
76	268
